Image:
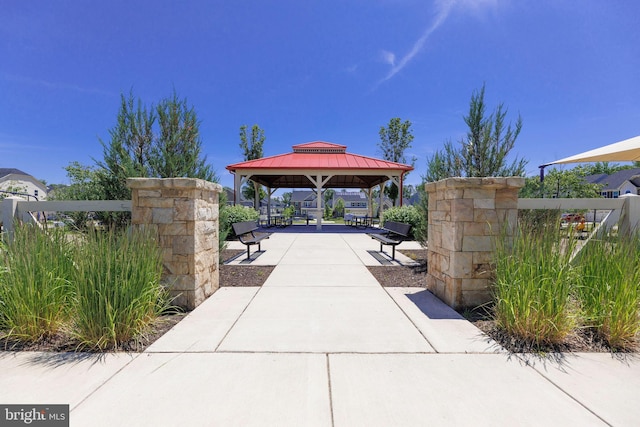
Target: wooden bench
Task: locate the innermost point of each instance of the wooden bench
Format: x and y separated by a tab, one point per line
394	233
245	232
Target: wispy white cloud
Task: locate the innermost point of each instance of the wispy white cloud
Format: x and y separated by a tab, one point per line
443	9
53	85
352	69
388	57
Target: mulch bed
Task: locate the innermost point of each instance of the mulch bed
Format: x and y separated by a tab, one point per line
403	276
62	342
242	275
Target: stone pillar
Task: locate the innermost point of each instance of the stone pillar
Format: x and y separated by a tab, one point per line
465	214
184	213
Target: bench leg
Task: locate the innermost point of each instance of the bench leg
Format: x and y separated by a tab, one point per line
259	248
248	247
393	253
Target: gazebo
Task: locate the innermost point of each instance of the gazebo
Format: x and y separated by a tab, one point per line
319	165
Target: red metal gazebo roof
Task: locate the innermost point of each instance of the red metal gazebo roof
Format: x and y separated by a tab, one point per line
320	155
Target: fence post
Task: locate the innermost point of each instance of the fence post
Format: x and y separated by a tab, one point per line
630	217
465	215
184	212
9	211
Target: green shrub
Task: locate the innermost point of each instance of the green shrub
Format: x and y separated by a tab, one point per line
420	231
34	288
407	214
533	283
233	214
609	290
289	211
118	290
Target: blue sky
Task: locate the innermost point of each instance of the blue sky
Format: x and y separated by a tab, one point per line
316	70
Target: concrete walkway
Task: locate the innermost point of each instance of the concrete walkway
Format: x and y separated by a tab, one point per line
323	344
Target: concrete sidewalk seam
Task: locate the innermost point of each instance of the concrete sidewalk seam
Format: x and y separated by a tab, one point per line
329	387
410	320
562	390
104	382
236	321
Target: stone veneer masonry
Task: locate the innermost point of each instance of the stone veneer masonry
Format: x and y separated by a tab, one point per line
184	213
464	216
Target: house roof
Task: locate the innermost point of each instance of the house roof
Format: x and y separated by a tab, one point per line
9	171
615	180
301	196
350	196
347	170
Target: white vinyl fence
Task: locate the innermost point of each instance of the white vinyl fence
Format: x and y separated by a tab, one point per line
17	208
624	211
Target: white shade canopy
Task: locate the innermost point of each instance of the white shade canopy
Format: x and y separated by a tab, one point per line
623	151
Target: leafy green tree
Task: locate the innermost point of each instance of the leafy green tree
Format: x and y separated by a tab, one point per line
327	211
338	209
249	192
395	139
408	190
328	195
560	183
600	168
485	149
252	150
85	184
286	199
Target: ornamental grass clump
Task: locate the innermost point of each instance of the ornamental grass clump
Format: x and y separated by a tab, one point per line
118	289
533	283
609	290
34	288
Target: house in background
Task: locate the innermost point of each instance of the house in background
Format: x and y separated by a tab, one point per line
355	202
626	181
15	180
303	202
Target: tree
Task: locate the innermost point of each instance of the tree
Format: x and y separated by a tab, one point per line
249	193
408	191
137	149
85	184
485	149
395	139
252	149
600	168
177	149
338	209
560	183
328	195
286	199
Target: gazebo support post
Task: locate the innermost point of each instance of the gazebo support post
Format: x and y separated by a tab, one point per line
237	185
380	202
400	187
270	192
397	180
319	181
